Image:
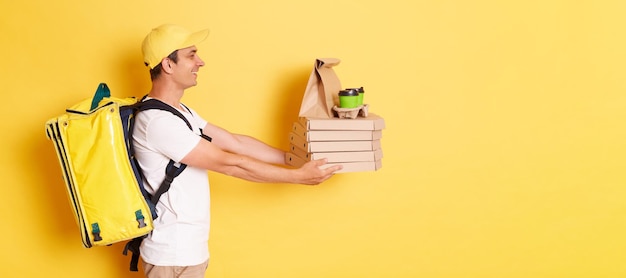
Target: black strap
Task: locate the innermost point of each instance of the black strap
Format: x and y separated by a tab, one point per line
171	171
206	137
133	246
154	103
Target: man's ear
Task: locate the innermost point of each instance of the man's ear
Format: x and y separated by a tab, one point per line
166	64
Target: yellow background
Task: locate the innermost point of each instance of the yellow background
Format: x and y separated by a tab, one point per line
504	147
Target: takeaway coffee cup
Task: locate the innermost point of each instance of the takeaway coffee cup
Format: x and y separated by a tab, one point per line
349	98
361	92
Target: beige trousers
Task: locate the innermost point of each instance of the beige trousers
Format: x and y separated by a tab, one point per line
193	271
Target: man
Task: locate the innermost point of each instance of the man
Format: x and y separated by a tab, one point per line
178	245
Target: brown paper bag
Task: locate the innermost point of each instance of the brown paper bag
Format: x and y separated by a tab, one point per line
322	90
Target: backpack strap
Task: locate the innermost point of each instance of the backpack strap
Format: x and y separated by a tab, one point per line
206	137
172	170
154	103
133	246
157	104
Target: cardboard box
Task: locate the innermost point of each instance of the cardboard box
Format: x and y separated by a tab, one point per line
332	146
339	156
299	152
335	135
371	122
360	166
294	160
348	156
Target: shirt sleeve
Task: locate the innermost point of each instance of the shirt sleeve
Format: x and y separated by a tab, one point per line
170	136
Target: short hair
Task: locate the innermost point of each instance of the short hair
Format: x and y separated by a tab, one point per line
156	71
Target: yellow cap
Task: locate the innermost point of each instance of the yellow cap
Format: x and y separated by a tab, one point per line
167	38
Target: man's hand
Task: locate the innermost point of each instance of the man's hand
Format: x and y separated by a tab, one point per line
314	172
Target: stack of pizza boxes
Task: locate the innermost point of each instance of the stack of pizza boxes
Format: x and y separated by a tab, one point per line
350	137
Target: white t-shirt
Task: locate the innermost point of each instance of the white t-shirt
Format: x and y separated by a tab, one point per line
181	231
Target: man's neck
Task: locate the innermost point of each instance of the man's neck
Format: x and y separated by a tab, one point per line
166	92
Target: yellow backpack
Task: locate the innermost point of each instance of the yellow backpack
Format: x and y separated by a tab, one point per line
93	142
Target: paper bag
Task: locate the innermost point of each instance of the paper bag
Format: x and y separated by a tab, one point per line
322	90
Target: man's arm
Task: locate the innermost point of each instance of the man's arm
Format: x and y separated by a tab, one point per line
209	156
245	145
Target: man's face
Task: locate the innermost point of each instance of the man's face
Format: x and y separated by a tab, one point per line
186	69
